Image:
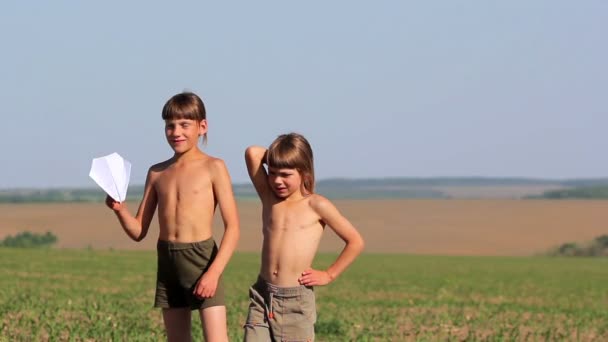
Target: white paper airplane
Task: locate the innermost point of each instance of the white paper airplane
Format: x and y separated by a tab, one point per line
112	173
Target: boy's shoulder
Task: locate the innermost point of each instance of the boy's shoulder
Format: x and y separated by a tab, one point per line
318	202
159	167
213	159
214	163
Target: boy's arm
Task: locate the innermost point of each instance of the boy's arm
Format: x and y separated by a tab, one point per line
255	157
346	231
222	188
136	227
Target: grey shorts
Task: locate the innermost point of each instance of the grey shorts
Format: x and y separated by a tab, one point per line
180	266
280	313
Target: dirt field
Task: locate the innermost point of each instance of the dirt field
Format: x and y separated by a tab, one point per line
448	227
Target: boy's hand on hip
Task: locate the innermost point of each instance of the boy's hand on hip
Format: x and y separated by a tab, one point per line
312	277
206	286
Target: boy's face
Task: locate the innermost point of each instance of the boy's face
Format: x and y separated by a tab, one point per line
182	134
284	181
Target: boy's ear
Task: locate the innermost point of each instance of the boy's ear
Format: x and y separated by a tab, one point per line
202	127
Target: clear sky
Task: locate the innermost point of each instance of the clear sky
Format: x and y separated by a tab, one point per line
380	88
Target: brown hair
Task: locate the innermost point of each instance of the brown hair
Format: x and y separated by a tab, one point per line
186	105
293	151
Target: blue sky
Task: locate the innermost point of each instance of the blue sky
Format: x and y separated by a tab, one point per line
386	88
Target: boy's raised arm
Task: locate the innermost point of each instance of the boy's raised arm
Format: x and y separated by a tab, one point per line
137	227
254	158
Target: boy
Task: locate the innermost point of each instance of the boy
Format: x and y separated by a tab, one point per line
282	302
186	189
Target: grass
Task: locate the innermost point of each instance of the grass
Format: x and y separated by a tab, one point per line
78	295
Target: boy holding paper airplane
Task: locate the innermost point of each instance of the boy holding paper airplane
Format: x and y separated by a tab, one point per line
186	190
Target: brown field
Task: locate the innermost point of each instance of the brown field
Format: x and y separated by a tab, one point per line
448	227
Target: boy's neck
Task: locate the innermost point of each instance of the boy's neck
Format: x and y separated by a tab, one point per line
296	196
191	154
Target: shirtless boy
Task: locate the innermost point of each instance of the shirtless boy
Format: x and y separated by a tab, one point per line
282	301
187	188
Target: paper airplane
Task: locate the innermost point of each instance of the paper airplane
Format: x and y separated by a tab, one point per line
112	173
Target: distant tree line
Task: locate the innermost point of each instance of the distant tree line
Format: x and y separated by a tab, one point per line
55	195
586	192
29	240
343	188
597	247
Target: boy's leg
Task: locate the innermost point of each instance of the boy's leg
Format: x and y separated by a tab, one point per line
256	327
299	316
214	323
177	324
257	333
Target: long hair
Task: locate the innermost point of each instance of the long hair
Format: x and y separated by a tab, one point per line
293	151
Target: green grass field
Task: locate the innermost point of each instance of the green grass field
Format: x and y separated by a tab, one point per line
83	295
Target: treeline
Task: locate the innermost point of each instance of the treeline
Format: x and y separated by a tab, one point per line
29	240
338	188
586	192
56	195
597	247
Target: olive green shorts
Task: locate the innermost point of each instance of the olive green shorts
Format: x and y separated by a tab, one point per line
180	266
280	313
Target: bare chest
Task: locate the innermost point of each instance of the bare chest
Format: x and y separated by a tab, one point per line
291	219
185	184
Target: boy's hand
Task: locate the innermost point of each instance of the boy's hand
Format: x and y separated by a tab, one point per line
112	204
206	286
312	277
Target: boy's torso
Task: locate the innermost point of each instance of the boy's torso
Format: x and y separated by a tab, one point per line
186	200
292	232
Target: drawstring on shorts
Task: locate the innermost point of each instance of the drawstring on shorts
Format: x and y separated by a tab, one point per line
273	291
270	313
